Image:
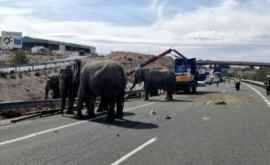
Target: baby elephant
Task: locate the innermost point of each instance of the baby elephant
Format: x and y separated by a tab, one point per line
52	86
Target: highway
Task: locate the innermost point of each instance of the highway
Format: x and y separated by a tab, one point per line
215	127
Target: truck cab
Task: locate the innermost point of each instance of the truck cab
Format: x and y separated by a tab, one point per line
186	74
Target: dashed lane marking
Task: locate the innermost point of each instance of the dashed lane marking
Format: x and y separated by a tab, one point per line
125	157
61	127
260	94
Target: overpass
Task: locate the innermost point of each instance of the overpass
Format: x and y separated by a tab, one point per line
236	63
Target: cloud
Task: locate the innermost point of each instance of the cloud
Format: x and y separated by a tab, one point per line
207	31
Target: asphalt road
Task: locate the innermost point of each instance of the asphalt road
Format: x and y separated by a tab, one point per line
190	130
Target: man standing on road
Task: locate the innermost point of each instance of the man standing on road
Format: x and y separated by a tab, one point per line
267	85
237	84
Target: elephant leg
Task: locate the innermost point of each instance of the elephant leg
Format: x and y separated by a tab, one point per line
70	105
111	113
102	105
71	99
146	95
170	97
63	104
120	107
80	107
82	96
90	104
46	92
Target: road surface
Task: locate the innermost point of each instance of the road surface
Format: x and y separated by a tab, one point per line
190	130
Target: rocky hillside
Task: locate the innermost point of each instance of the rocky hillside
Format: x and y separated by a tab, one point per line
132	60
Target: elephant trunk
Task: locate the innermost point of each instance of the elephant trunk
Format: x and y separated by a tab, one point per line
134	83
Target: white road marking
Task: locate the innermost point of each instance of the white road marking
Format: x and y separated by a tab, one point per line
125	157
61	127
260	94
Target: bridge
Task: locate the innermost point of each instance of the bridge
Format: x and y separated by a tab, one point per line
236	63
216	126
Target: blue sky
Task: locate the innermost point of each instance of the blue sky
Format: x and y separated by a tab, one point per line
208	29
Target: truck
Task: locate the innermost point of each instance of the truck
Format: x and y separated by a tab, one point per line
186	74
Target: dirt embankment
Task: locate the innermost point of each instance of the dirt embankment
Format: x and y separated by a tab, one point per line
25	86
132	60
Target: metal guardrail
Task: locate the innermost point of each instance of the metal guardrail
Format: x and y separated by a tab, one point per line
28	104
51	102
8	68
257	83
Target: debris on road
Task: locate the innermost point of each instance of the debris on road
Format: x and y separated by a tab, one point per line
206	118
208	102
168	117
223	99
221	103
153	113
117	135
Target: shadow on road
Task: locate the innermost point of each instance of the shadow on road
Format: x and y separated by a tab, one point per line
125	123
199	93
175	100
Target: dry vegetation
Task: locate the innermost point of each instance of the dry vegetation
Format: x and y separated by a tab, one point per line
33	58
25	86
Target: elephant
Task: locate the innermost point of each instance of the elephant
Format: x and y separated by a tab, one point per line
52	85
68	84
154	80
105	79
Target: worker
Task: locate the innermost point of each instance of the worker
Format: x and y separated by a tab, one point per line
267	85
217	83
237	84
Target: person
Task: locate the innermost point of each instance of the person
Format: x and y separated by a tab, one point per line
217	83
267	85
237	84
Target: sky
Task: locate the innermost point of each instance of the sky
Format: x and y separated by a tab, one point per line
205	29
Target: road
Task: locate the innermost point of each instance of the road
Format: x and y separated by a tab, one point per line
190	130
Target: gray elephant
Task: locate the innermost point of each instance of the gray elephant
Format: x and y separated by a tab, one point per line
52	86
68	84
154	80
105	79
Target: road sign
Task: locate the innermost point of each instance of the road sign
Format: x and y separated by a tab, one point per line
11	40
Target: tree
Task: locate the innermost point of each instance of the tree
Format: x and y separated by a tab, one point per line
20	57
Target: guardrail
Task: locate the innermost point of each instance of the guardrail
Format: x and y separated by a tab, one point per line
257	83
8	68
52	102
